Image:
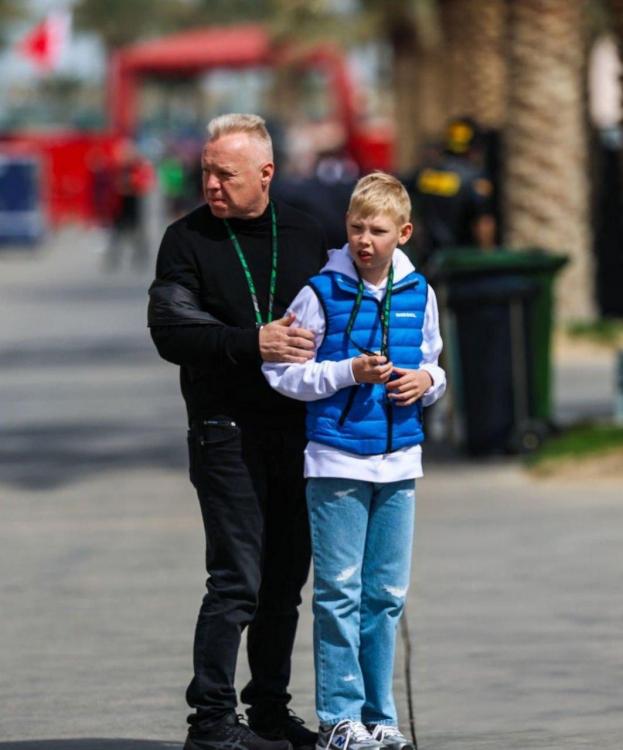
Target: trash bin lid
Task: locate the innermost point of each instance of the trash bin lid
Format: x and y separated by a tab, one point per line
493	289
453	263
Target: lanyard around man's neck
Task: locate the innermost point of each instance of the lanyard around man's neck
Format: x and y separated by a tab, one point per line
385	313
247	273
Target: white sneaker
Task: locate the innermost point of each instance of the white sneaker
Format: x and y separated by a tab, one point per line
390	737
345	735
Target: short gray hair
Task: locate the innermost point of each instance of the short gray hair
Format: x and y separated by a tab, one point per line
253	125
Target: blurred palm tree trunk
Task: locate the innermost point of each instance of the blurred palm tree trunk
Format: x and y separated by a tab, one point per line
547	194
475	40
418	87
402	40
616	8
449	62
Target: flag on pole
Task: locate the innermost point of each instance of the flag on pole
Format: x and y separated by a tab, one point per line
44	44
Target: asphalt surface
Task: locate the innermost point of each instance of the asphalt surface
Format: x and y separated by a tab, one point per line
515	608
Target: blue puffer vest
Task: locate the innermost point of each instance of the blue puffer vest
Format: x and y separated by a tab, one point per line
361	419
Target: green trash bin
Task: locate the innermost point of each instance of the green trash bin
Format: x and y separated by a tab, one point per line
498	325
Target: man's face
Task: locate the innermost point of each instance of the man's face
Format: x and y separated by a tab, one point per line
236	175
372	241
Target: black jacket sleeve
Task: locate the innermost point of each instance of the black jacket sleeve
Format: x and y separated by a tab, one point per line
198	346
182	332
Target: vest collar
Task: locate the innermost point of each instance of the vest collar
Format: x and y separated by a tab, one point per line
349	284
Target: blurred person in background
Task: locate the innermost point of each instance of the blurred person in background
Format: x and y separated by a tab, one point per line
324	193
453	195
172	179
102	186
225	275
132	179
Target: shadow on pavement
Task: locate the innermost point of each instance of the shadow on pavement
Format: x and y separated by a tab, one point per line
44	456
110	352
114	291
89	743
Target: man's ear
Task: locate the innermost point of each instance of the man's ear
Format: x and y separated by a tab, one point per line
266	173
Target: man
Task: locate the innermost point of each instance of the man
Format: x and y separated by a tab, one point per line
225	275
453	196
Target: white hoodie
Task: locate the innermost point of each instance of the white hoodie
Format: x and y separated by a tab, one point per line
315	380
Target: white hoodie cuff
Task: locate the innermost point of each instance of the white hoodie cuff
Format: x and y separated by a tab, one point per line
344	373
438	387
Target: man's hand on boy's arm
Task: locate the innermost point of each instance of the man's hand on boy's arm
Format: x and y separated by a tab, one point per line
281	342
371	368
409	386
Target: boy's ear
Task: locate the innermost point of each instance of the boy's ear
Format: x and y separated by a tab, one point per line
406	230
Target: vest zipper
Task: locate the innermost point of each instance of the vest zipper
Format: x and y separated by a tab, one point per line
389	410
349	405
390	425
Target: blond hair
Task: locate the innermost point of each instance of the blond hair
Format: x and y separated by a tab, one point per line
252	125
380	193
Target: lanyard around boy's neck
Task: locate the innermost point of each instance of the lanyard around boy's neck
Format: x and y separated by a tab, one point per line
247	273
385	312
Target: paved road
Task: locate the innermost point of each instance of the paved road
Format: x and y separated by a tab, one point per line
515	612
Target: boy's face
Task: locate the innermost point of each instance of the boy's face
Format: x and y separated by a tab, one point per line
372	242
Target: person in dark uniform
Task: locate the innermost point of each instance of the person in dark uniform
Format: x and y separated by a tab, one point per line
133	179
452	195
225	275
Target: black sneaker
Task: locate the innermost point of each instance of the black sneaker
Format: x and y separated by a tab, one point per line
231	734
277	722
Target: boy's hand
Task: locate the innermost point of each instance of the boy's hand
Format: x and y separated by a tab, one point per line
409	386
368	368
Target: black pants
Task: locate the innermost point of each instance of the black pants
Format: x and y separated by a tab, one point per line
251	490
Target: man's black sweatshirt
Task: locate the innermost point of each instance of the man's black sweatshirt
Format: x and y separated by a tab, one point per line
220	365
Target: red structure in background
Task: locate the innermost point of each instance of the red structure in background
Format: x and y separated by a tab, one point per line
68	157
236	47
189	53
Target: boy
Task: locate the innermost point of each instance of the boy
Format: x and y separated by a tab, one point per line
377	345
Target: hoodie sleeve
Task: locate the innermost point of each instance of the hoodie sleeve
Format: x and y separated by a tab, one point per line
312	380
431	349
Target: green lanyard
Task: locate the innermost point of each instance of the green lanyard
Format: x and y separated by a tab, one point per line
273	269
385	311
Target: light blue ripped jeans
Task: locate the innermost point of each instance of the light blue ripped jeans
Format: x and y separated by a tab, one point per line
361	541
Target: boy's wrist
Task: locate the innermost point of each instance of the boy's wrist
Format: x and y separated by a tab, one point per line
351	368
430	378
